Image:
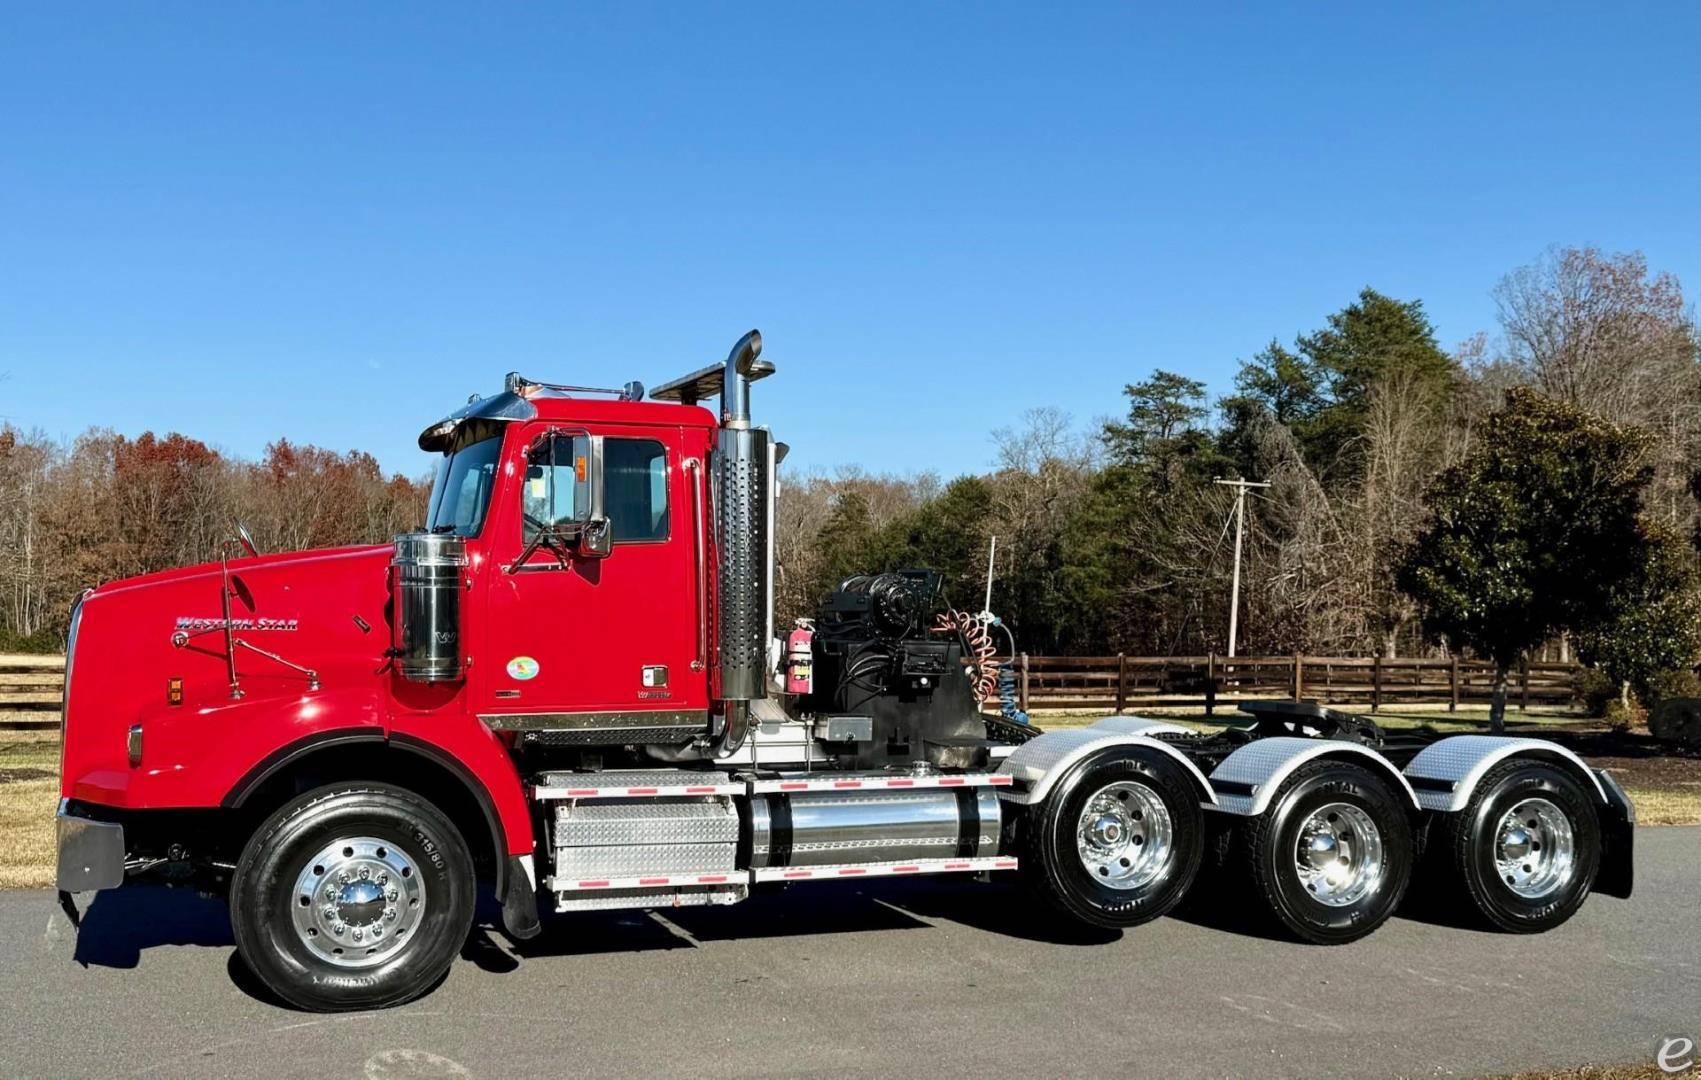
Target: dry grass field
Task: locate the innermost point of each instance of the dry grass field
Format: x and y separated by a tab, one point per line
29	792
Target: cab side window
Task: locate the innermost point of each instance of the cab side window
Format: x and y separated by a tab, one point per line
552	489
635	489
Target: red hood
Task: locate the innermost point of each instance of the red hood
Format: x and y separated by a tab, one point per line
325	610
247	564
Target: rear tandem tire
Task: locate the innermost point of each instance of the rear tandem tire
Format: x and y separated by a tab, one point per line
1118	841
1559	841
353	896
1332	855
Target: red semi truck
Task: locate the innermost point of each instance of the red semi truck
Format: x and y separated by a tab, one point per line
568	688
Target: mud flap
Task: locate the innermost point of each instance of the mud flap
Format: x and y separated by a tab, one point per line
519	900
1618	840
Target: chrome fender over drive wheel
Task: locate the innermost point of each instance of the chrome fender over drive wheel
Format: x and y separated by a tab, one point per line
353	896
1527	847
1332	855
1118	841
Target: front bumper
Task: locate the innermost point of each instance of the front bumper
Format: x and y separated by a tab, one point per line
91	853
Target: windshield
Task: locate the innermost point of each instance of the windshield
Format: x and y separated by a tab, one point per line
461	493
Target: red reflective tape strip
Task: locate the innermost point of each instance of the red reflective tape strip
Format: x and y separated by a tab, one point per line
846	871
578	791
711	879
706	790
951	781
906	869
1000	779
593	884
900	783
794	787
956	866
799	873
847	783
654	880
1006	864
640	791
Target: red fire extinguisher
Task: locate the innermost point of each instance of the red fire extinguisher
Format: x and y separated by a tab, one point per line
800	664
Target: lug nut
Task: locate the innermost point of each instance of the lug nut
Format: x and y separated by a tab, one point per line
357	933
390	913
390	896
329	911
365	873
338	928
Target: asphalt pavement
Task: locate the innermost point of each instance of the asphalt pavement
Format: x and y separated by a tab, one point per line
875	978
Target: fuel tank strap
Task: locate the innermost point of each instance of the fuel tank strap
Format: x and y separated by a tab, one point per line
968	822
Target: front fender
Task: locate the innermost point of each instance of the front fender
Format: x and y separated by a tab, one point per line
215	755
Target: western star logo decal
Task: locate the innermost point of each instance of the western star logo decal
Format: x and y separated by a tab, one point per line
194	624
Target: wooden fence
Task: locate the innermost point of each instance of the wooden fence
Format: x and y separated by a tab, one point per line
30	686
1126	683
30	690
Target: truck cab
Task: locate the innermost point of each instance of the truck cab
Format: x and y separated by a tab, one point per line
582	529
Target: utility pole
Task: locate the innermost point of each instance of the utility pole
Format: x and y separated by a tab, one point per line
1240	487
991	565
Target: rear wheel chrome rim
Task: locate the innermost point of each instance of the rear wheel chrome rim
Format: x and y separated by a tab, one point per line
1125	836
1339	855
1535	849
357	901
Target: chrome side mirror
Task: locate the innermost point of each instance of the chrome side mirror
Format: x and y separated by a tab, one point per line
245	538
596	535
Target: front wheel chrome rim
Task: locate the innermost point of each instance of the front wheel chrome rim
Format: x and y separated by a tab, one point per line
1534	849
1339	855
357	901
1125	836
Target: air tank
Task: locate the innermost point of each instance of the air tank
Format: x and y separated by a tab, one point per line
426	586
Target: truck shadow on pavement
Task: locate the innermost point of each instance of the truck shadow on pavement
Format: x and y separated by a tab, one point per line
120	926
827	908
122	923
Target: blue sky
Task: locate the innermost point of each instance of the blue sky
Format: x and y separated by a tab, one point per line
333	223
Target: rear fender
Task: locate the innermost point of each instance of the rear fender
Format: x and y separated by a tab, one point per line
1039	763
1249	778
1445	774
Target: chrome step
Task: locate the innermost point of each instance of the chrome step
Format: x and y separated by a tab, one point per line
891	869
636	783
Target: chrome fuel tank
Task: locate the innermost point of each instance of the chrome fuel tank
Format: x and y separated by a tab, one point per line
824	828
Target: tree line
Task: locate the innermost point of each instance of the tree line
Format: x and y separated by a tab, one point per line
106	506
1534	489
1542	477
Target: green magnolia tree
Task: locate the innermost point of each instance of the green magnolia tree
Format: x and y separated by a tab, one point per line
1655	626
1536	531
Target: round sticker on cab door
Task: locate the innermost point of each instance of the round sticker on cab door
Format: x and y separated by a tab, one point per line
522	668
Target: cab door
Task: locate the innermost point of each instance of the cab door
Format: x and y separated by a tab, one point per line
580	641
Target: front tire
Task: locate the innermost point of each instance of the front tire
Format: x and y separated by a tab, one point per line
1332	855
354	896
1119	840
1527	847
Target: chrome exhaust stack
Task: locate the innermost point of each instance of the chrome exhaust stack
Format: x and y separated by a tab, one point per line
741	532
741	494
